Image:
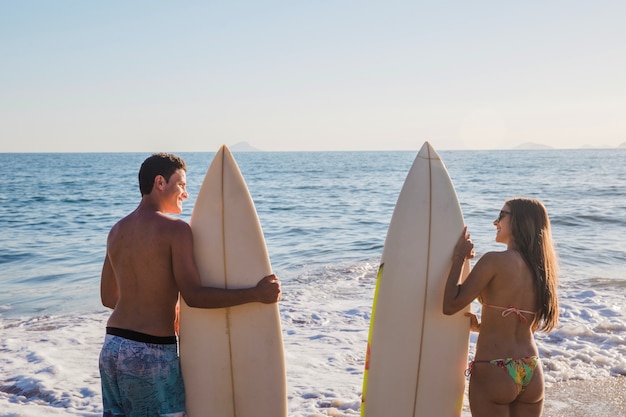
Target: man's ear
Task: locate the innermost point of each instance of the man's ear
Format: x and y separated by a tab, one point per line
159	182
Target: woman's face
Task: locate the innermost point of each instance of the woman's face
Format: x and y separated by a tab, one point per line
503	225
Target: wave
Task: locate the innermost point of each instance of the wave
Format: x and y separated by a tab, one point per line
8	256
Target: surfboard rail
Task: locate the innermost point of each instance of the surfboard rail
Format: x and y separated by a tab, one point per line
415	354
232	358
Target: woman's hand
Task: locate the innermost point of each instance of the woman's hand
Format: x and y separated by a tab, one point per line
474	324
464	248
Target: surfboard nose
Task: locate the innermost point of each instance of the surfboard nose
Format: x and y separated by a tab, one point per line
428	152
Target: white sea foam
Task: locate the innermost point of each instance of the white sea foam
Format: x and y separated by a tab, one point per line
50	363
325	216
49	366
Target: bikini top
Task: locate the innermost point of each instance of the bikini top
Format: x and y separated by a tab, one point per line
511	309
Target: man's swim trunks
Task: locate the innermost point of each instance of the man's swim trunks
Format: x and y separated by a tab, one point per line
140	375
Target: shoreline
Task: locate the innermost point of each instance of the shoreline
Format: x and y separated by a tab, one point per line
602	397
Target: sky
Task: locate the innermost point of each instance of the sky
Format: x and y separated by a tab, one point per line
310	75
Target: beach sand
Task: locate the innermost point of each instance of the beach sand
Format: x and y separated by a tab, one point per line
603	397
586	398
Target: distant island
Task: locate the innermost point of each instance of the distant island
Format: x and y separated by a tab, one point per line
534	145
243	147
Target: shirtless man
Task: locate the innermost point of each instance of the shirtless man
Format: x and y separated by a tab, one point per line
149	262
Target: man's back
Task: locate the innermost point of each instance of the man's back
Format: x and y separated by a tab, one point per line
149	261
140	253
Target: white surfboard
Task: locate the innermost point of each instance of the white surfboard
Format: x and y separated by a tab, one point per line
232	359
416	355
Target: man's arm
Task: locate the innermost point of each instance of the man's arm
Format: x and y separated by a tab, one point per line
109	293
189	284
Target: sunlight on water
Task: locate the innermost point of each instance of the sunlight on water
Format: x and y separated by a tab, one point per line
325	217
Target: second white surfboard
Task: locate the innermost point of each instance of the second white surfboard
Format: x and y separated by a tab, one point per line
417	355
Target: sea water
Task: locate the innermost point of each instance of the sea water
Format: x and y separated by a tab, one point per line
325	216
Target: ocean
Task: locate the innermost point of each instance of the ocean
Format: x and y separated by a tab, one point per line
325	216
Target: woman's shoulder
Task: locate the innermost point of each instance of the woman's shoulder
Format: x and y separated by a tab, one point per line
502	254
499	259
495	256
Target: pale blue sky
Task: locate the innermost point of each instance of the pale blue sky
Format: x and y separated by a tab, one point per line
310	75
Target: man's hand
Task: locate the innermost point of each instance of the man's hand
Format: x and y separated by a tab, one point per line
268	289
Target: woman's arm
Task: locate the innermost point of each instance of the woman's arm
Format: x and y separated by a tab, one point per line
458	295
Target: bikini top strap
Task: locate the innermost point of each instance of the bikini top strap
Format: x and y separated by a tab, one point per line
512	309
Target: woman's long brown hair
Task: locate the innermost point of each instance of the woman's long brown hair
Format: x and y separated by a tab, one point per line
530	226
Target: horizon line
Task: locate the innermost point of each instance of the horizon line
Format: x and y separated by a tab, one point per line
232	149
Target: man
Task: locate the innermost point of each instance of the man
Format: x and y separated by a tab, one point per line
149	261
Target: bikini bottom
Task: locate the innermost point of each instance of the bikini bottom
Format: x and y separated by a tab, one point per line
521	370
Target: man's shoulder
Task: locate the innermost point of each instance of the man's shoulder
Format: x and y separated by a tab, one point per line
164	222
173	225
172	220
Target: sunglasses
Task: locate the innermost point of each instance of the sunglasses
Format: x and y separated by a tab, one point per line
502	214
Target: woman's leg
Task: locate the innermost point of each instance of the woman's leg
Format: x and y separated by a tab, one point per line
491	391
530	401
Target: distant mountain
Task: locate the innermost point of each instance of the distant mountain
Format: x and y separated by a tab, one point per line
532	145
243	147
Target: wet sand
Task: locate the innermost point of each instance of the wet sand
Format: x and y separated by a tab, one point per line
604	397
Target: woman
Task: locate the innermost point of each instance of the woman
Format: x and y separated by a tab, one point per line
517	288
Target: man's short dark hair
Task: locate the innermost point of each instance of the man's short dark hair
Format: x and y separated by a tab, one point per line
164	164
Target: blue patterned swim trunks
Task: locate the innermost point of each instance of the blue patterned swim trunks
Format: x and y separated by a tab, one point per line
141	375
